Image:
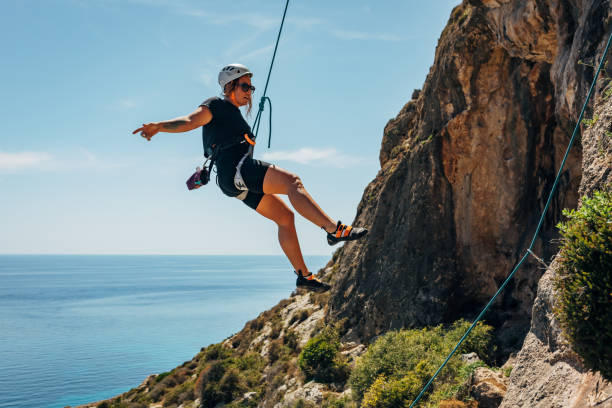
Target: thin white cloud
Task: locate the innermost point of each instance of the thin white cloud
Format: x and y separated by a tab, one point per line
306	22
122	105
240	47
207	79
362	35
258	21
307	155
127	104
15	162
86	159
263	50
195	10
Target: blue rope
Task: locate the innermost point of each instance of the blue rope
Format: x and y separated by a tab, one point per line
529	250
261	108
257	121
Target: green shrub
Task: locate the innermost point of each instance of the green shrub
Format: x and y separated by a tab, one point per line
302	404
161	376
113	404
590	122
277	327
320	359
478	341
232	385
386	393
584	281
342	402
300	316
291	339
250	361
275	350
222	381
180	394
398	359
216	352
256	324
457	388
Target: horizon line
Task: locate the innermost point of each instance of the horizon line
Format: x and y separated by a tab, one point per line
142	254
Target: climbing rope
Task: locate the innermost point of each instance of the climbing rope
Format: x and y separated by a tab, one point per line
529	250
263	99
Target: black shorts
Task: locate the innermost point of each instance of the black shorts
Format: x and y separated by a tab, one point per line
253	173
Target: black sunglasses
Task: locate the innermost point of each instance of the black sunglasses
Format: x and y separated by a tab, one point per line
246	87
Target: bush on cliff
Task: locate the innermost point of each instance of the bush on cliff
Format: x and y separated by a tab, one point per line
584	281
229	377
398	364
320	359
391	392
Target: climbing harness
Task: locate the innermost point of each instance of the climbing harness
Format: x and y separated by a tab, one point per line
238	180
529	250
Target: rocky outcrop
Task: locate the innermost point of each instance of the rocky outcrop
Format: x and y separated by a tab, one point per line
488	387
466	168
547	372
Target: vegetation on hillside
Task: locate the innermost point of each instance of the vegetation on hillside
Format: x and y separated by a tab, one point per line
584	281
397	365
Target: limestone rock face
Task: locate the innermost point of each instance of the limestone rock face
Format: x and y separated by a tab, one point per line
597	147
547	372
466	168
488	387
310	392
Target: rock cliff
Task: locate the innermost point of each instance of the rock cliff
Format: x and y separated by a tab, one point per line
466	168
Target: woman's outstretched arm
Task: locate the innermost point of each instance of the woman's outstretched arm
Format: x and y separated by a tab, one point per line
195	119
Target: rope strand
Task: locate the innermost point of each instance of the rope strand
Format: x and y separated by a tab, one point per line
257	121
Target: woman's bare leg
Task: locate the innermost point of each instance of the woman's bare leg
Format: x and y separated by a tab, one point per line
279	181
274	208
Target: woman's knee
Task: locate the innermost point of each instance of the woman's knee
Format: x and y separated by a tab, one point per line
295	182
285	217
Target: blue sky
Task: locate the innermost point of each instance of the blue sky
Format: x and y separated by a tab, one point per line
79	75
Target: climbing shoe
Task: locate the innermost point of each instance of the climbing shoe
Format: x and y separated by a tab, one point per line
310	282
345	232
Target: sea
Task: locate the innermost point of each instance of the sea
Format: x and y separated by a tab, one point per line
81	328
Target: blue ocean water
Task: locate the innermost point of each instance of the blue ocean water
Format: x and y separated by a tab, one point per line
80	328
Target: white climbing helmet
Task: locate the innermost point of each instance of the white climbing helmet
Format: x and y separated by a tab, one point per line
232	71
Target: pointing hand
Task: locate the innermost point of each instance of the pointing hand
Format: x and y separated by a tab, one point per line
147	130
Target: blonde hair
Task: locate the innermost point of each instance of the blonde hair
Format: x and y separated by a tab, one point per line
230	87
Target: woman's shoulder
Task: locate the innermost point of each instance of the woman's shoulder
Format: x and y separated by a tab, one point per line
210	102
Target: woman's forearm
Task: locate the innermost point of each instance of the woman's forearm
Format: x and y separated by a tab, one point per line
177	125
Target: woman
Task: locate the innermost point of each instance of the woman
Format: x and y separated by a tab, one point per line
255	182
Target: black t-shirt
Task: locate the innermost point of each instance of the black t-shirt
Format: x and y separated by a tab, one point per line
227	126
